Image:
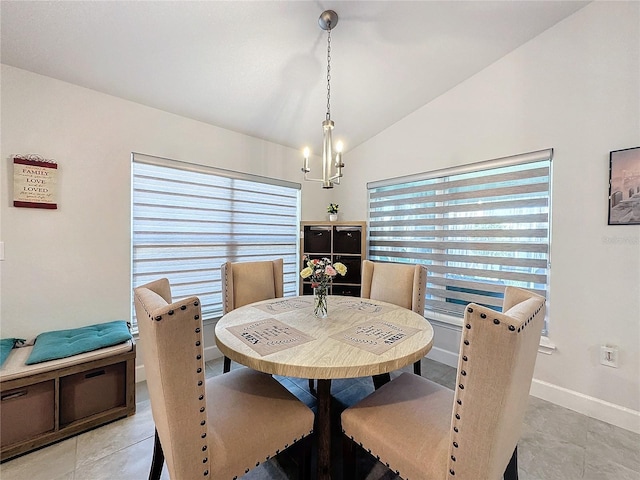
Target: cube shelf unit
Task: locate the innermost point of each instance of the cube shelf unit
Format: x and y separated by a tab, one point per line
340	242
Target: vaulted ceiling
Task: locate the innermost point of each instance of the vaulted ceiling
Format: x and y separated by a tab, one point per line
259	67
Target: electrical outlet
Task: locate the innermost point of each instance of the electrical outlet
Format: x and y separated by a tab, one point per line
609	356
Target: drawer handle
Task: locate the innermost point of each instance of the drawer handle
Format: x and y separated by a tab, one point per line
97	373
9	396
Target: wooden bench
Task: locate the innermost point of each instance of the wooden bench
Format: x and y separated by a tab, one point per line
50	401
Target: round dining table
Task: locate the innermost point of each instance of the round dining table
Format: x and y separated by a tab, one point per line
358	338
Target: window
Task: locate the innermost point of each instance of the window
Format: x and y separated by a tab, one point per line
187	220
477	228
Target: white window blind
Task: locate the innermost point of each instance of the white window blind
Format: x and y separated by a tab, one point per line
190	219
477	228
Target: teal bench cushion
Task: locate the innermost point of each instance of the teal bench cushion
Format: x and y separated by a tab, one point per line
6	345
65	343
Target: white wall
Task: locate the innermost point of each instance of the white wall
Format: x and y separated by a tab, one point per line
575	88
70	267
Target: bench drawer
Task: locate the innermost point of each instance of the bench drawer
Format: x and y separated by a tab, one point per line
27	412
93	391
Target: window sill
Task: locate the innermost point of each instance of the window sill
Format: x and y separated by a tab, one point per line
444	319
546	346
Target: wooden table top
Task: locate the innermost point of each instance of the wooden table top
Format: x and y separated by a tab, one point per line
325	357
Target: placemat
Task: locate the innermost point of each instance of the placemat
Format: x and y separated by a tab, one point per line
269	336
364	306
375	337
286	305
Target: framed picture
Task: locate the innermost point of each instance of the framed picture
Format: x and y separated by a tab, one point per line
34	182
624	187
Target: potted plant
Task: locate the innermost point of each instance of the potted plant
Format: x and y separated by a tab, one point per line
332	209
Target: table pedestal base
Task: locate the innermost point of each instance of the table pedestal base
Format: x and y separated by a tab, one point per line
379	380
323	429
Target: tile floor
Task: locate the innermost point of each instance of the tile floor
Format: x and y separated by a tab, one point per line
557	444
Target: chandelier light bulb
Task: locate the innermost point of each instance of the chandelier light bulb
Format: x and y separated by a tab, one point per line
305	163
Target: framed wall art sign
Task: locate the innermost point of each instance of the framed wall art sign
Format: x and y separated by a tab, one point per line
34	182
624	187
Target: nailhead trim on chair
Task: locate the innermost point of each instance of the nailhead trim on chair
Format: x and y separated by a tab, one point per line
387	464
459	392
198	357
463	372
226	281
277	452
420	292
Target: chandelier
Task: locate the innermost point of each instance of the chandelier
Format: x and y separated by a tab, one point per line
331	164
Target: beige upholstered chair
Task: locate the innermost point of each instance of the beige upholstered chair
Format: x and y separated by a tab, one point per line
401	284
425	431
213	428
249	282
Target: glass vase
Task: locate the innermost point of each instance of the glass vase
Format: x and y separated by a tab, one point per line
320	302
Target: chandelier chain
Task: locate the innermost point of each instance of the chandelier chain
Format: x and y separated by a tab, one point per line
329	72
332	164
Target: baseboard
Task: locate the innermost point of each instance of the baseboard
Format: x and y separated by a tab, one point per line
210	353
590	406
140	375
443	356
